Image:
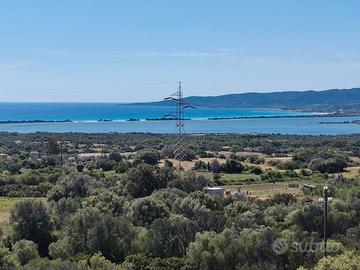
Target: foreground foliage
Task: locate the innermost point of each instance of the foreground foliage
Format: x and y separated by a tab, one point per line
125	210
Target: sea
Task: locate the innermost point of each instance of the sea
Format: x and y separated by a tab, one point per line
114	117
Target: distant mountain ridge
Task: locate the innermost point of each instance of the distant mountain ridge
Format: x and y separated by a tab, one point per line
326	100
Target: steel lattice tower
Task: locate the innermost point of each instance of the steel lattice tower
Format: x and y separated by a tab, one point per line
179	144
178	148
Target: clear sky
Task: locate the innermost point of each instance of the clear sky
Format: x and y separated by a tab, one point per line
133	50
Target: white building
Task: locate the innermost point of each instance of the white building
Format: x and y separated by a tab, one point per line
215	191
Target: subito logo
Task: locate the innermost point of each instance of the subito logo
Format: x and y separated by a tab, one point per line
280	246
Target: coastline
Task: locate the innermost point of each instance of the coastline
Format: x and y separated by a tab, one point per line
34	121
314	115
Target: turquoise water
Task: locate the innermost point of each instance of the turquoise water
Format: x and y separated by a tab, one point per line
302	126
96	111
87	114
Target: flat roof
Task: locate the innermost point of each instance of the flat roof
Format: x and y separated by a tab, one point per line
214	188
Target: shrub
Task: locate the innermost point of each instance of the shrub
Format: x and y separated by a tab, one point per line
105	164
332	165
25	251
115	156
91	231
200	165
232	166
148	156
145	210
31	221
142	181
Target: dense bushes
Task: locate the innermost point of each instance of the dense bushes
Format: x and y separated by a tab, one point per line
190	182
145	210
332	165
322	161
73	185
31	221
228	250
91	231
100	222
232	166
25	251
169	237
134	215
150	157
143	180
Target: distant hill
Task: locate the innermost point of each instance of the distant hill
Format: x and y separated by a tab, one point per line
327	100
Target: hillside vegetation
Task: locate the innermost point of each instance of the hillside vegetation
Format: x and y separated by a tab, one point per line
327	100
77	201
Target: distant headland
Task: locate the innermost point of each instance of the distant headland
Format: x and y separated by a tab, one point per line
337	101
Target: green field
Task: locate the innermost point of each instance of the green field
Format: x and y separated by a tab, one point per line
266	190
239	179
255	187
6	204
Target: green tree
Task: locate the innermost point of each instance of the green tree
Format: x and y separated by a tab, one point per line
61	249
170	237
115	156
73	185
25	251
205	210
47	264
190	182
91	231
136	261
148	156
189	154
140	262
105	164
168	196
7	260
12	166
332	165
31	221
142	181
200	165
212	252
215	166
144	211
167	264
99	262
233	210
251	249
347	260
63	209
232	166
53	146
105	200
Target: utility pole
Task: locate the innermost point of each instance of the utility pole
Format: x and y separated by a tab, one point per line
61	153
325	218
325	200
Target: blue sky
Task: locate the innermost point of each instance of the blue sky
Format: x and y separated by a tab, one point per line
132	50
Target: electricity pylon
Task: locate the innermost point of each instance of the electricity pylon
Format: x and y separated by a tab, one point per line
178	147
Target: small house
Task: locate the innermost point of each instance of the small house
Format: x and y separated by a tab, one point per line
215	191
